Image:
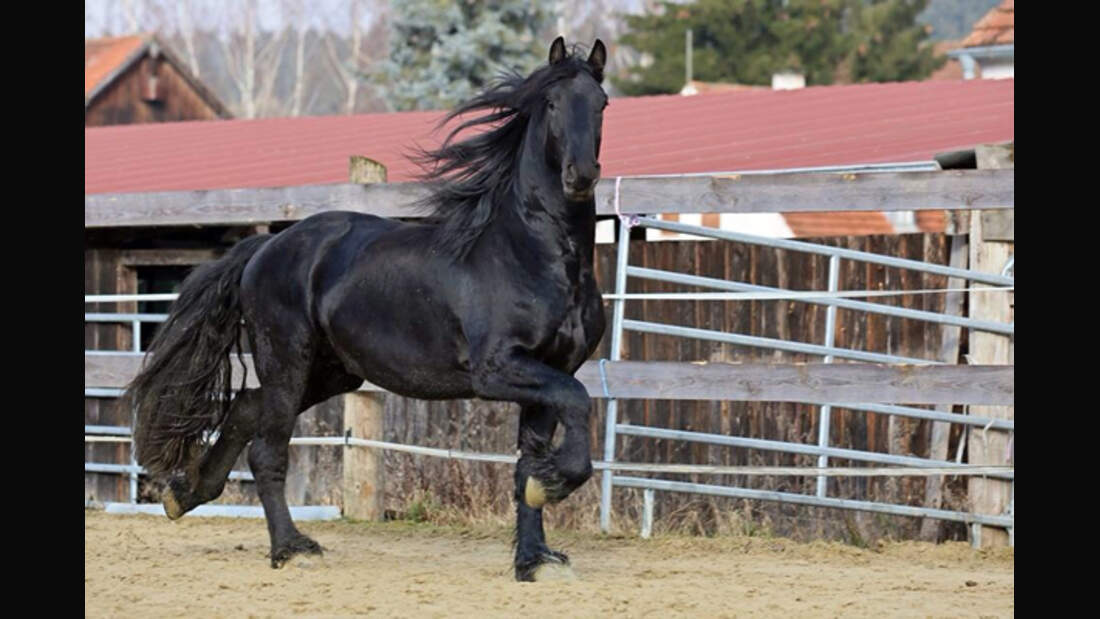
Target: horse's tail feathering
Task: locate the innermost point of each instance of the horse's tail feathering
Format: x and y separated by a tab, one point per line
183	389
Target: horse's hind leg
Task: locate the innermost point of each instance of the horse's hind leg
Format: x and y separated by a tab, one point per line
207	480
268	456
287	393
533	557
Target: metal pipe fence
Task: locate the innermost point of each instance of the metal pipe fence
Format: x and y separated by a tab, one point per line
832	299
832	302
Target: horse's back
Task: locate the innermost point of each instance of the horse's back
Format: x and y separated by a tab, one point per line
370	290
291	259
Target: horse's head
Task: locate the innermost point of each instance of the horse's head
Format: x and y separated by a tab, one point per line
574	119
539	131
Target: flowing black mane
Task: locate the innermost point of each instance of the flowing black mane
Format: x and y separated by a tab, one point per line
473	178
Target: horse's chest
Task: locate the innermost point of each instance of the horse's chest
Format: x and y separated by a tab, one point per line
577	331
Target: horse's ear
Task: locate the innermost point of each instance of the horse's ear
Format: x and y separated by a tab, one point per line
598	57
557	50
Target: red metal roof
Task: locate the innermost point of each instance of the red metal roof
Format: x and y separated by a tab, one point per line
670	134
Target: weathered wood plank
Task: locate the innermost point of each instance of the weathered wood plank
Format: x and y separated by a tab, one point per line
999	225
951	189
792	382
995	156
990	496
784	193
167	257
247	206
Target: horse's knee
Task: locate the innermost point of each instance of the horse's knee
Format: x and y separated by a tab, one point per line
268	460
576	471
576	401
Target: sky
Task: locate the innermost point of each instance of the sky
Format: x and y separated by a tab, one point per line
109	16
103	16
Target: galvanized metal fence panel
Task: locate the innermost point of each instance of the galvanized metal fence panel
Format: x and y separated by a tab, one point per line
827	350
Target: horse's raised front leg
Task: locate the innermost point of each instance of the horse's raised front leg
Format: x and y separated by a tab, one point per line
536	430
553	475
207	480
268	458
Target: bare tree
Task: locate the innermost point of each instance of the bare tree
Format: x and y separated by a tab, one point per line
186	29
598	19
130	10
296	11
252	65
350	67
261	57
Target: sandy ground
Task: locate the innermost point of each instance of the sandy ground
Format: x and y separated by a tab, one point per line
149	567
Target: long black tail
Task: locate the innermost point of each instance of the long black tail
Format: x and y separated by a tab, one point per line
184	388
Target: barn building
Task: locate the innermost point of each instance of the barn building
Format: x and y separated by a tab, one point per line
137	79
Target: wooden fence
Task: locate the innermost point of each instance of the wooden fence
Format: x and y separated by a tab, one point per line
755	397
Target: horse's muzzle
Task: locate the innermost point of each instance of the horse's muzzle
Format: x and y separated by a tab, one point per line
579	182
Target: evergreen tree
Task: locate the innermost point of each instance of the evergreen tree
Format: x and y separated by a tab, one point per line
747	41
443	52
888	42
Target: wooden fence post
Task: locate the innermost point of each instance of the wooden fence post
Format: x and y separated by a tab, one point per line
363	170
991	246
364	467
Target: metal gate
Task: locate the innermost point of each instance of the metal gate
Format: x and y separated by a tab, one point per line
832	299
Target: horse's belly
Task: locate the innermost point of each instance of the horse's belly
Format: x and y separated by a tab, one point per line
425	383
401	344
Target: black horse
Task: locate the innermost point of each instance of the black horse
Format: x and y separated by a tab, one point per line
492	296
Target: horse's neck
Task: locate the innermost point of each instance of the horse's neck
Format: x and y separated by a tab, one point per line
547	217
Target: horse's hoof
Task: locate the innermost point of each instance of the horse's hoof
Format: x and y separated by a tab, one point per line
300	546
554	572
172	506
534	494
305	561
548	566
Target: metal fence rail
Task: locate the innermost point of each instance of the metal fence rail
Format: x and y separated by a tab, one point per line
787	447
805	499
649	484
826	250
827	350
638	467
874	308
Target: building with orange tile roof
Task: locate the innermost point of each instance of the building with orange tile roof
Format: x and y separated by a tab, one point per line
137	79
988	51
